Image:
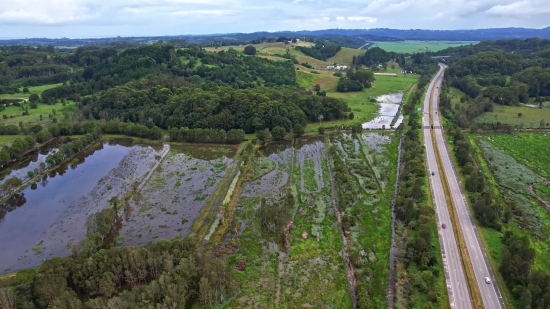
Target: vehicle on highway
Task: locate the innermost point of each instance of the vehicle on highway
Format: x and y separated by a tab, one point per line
433	173
444	226
487	280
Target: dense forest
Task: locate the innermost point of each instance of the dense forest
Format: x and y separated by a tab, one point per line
165	274
159	85
508	72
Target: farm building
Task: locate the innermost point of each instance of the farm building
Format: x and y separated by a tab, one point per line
337	67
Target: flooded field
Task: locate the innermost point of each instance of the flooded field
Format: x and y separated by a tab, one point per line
389	108
46	219
306	266
173	197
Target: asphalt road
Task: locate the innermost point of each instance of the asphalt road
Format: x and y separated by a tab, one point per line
489	292
457	287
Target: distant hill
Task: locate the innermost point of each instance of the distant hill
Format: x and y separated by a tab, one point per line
353	38
462	35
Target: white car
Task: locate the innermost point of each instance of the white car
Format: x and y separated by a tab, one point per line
487	280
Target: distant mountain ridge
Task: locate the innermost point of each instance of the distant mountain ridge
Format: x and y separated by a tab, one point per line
355	36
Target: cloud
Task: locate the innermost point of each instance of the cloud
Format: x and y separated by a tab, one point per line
526	7
97	18
362	18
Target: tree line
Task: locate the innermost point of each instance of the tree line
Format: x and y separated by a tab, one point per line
212	107
411	207
166	274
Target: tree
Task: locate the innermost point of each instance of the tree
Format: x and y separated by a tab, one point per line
250	50
351	116
320	117
298	130
11	184
33	97
260	135
321	130
278	133
520	114
317	87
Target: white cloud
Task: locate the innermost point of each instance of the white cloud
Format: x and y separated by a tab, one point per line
97	18
526	7
362	18
203	12
45	11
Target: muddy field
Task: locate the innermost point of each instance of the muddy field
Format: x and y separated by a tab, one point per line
310	271
172	198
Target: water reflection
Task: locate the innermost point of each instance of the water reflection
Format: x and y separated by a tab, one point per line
389	108
62	170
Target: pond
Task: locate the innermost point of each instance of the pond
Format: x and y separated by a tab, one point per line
47	218
389	108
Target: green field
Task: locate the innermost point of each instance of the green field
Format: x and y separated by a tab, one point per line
529	150
6	139
345	56
359	102
530	118
419	46
14	113
37	89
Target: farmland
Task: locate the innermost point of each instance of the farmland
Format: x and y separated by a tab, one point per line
345	56
32	90
39	115
419	46
517	162
520	116
302	264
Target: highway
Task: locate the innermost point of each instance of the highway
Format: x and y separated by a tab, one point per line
457	287
454	273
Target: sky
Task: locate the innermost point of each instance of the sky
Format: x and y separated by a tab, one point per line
108	18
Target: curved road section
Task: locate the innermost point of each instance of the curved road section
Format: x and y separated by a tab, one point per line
457	287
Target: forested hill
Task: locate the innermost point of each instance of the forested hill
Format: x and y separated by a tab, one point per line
530	48
165	87
508	72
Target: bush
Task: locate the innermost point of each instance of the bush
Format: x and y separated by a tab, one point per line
347	85
321	130
250	50
278	133
299	130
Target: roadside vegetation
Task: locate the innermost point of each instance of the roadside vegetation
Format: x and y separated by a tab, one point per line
505	175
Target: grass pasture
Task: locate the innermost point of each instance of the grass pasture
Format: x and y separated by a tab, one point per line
522	158
530	118
359	102
345	56
14	113
37	89
6	139
530	149
419	46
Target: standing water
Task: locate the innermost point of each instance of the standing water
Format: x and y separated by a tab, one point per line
389	108
33	211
